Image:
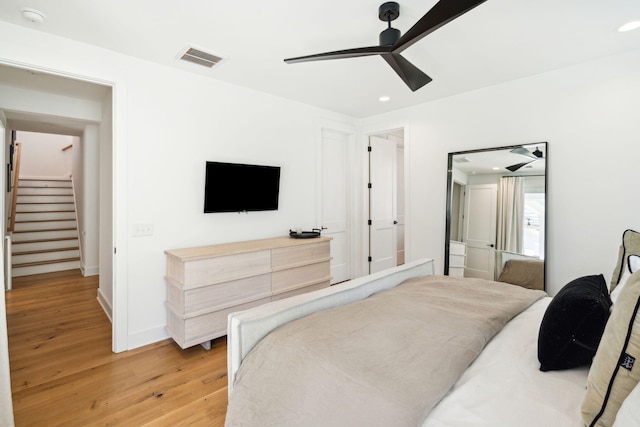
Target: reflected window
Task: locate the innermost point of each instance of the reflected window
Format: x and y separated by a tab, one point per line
533	230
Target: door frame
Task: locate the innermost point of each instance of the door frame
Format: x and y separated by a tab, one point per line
352	208
116	80
362	263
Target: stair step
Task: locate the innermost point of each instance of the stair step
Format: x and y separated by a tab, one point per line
46	244
45	216
33	191
45	256
46	183
44	268
46	207
40	199
46	230
45	225
21	236
31	264
42	251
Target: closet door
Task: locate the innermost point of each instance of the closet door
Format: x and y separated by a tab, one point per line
383	240
335	189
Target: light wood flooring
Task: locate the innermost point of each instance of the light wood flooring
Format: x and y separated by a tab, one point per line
63	372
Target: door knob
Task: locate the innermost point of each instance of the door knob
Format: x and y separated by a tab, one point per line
491	245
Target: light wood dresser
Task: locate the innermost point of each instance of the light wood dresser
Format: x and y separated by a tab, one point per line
205	284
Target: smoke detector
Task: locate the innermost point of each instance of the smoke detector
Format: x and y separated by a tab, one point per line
33	15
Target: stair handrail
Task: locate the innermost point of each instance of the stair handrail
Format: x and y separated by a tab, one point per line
14	194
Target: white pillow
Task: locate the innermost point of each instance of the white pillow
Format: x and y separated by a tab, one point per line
629	413
633	266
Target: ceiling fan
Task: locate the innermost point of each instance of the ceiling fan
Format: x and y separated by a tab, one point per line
533	156
392	43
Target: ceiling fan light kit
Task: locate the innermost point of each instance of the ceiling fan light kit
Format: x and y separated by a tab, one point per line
392	43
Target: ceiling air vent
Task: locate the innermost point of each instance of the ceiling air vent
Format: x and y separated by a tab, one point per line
200	57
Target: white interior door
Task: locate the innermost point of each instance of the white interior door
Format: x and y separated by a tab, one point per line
334	206
383	246
480	210
400	203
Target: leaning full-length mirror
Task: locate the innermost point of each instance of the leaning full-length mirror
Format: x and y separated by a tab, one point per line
496	214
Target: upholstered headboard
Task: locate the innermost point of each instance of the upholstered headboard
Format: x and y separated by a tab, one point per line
521	270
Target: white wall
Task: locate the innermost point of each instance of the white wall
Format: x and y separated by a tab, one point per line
42	156
587	113
167	123
87	184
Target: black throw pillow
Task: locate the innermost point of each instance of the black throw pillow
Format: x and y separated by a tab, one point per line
573	324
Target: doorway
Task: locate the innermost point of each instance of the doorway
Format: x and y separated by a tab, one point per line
386	211
32	90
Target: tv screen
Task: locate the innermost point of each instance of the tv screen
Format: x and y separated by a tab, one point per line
235	187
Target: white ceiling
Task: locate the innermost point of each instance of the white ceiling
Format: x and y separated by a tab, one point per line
495	161
498	41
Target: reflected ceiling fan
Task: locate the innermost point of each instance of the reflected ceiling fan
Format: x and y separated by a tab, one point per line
533	156
392	43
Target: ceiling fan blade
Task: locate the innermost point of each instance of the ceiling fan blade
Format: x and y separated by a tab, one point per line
409	73
514	168
524	152
339	54
443	12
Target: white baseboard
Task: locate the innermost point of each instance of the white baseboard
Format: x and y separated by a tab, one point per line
149	336
89	271
105	305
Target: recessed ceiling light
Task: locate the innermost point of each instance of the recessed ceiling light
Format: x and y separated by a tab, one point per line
384	98
33	15
495	168
629	26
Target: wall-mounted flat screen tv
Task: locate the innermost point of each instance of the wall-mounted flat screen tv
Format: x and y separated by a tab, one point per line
236	187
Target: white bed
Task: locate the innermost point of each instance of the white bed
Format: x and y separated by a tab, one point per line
502	387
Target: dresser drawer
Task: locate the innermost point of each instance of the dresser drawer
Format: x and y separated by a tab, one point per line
217	297
195	330
456	271
321	285
208	271
294	256
457	248
300	277
457	260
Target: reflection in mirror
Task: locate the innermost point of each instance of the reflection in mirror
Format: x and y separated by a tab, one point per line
496	214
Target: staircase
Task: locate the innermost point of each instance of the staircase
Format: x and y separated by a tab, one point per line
45	237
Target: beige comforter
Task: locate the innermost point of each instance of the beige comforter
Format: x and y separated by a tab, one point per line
382	361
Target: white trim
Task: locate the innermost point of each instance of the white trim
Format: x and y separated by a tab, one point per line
6	402
350	132
148	336
119	177
108	310
90	271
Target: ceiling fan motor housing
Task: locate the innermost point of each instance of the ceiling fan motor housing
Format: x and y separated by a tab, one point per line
388	12
389	36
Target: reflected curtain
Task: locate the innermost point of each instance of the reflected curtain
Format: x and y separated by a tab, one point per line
510	214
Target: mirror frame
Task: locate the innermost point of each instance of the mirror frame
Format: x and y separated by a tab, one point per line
450	190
